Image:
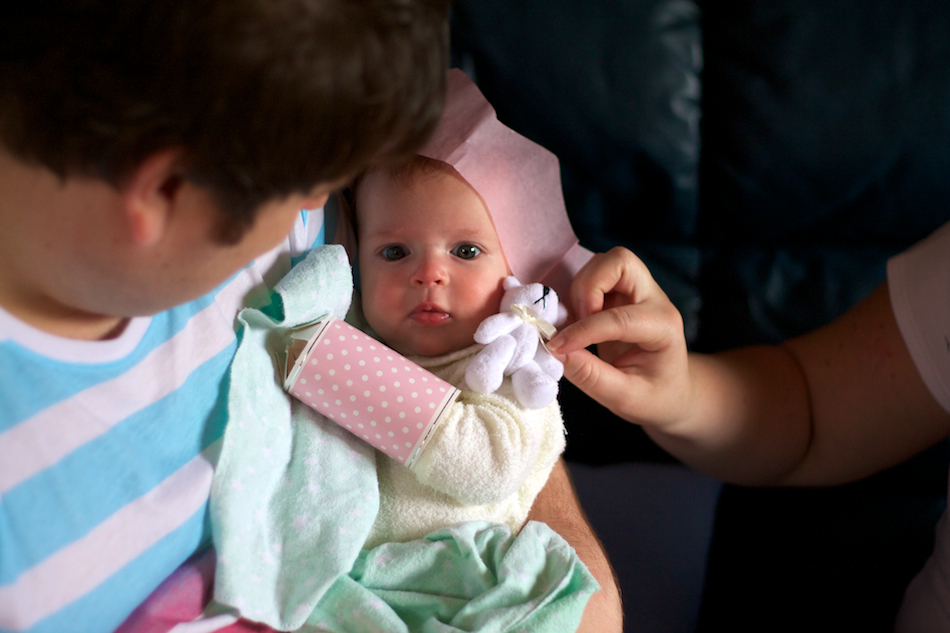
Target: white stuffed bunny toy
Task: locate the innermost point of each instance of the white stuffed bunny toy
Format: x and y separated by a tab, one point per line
512	340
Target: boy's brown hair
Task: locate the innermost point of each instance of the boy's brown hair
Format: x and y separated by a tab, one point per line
265	98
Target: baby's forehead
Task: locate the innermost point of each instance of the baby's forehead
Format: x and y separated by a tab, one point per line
416	177
414	172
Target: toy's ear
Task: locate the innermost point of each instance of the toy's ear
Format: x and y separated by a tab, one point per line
562	315
511	282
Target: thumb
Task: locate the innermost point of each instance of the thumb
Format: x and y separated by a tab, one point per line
600	380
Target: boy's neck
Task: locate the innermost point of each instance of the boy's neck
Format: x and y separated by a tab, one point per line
61	321
32	203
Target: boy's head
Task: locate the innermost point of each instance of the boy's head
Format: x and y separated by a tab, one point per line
141	139
431	264
261	99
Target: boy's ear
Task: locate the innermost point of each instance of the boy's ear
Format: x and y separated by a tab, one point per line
148	196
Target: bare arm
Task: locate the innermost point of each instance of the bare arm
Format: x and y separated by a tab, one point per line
832	406
828	407
558	506
870	409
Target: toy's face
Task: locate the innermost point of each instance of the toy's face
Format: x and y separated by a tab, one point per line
431	265
540	298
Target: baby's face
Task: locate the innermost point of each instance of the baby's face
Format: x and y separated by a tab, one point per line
431	265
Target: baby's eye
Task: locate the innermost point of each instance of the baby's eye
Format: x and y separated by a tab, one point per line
466	251
392	253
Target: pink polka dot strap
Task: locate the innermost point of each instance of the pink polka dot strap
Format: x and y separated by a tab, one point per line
367	388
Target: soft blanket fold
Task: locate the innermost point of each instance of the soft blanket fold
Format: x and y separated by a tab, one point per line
295	496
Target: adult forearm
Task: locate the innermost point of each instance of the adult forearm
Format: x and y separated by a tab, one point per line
748	420
558	506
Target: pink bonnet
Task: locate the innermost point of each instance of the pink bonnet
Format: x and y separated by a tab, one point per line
519	181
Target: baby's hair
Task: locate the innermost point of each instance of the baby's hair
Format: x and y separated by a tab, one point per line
265	99
404	172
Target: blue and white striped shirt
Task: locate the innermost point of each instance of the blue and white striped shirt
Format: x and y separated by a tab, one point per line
107	451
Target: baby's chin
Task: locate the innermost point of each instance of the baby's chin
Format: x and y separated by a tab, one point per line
424	350
431	346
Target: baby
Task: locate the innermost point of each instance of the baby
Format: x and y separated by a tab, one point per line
431	270
335	522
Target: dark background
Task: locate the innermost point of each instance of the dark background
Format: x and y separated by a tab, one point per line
764	158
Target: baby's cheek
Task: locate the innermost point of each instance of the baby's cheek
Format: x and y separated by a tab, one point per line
376	319
492	302
370	305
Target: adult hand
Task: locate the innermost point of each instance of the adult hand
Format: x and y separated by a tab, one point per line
641	371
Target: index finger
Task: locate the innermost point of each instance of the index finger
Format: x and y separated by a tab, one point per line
628	324
616	271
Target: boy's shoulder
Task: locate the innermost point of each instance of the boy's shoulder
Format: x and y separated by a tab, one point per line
118	438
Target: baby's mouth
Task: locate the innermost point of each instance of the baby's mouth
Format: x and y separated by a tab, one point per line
429	314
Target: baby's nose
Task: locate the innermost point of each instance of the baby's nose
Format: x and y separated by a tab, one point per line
431	271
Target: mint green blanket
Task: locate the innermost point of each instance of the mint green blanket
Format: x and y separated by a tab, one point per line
294	497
